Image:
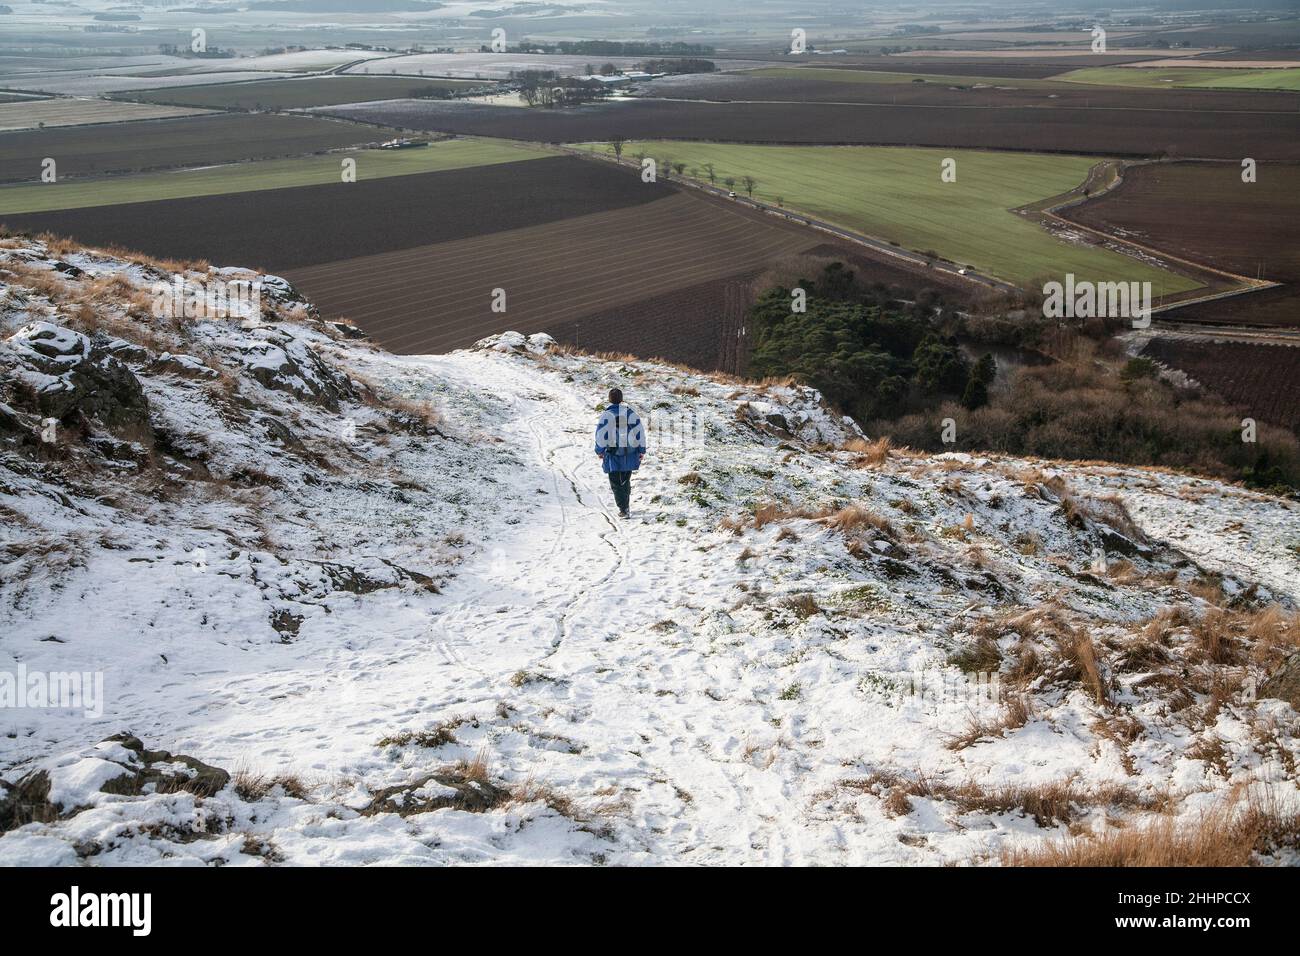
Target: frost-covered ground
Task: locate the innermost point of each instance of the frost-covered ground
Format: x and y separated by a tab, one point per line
391	597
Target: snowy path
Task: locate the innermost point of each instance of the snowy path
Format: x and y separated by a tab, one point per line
594	583
508	610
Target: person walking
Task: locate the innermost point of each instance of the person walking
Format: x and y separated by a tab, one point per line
621	444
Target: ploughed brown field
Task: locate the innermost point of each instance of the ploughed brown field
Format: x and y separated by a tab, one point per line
803	86
1137	132
585	251
1264	380
283	229
1205	213
440	296
168	143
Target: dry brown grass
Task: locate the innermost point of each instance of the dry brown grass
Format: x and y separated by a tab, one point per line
1082	654
1272	634
1017	710
855	517
439	735
254	786
803	605
475	770
1049	803
1211	749
1215	639
869	454
980	656
1229	834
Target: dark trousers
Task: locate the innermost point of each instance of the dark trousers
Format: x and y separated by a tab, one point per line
621	483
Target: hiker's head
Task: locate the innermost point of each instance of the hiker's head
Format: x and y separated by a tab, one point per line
615	396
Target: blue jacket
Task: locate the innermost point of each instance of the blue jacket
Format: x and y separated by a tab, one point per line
620	436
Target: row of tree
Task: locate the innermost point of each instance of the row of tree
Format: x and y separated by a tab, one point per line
666	166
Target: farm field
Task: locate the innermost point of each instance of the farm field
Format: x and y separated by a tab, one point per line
1008	64
169	143
584	250
97	83
1142	132
1263	379
441	294
880	77
1184	77
897	195
260	175
299	93
810	85
31	114
294	61
497	66
281	229
1250	229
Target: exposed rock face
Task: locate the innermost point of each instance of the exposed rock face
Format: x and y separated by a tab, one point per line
1284	684
438	791
125	767
283	363
60	373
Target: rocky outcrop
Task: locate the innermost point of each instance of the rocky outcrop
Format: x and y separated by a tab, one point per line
57	373
282	362
123	766
1284	683
451	788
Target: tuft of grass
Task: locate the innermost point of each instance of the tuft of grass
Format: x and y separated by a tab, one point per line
856	517
869	454
803	605
982	656
254	786
1225	835
1049	804
439	735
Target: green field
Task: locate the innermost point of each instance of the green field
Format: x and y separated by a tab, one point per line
896	194
267	174
1162	77
880	77
297	94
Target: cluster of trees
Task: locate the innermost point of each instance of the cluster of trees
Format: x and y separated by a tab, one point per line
1091	406
867	353
547	89
897	368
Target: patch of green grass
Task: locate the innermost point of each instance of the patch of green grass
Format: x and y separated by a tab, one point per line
268	174
896	194
1186	77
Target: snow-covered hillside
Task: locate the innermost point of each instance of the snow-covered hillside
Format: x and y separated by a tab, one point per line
351	607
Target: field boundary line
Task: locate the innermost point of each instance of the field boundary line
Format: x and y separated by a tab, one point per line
1049	208
870	242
